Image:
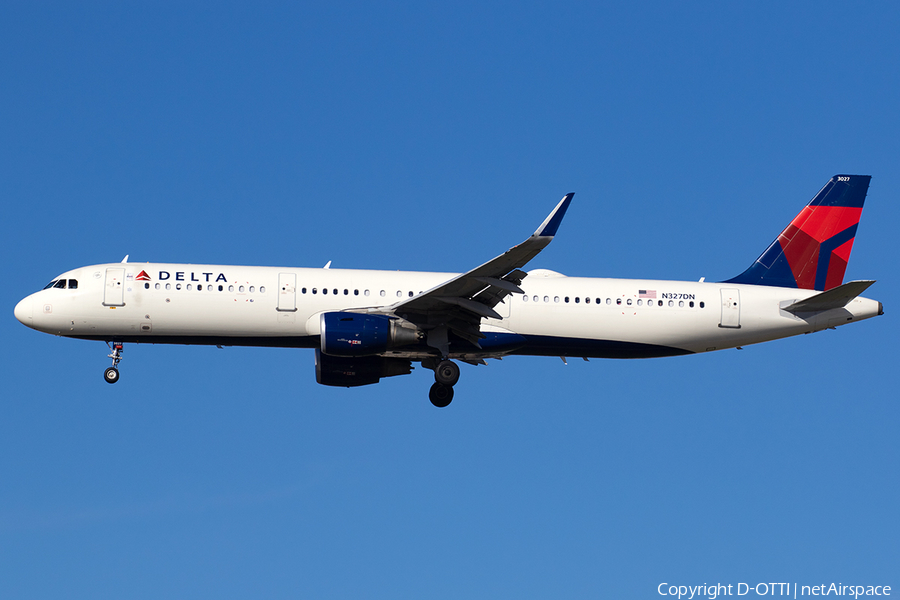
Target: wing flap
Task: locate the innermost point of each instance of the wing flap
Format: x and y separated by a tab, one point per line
503	284
472	306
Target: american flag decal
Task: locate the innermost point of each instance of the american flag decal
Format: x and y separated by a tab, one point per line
646	293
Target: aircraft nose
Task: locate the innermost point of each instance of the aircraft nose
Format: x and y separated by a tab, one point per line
23	312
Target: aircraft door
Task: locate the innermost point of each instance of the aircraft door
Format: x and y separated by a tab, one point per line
287	292
114	290
731	308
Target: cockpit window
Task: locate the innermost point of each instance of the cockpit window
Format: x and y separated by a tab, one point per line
60	284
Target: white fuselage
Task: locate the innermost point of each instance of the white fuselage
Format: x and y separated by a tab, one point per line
557	315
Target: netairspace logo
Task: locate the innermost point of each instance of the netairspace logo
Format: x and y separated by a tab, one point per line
794	590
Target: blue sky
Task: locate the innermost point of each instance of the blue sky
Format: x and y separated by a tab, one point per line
433	137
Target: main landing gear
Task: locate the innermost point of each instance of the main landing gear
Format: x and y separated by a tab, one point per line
446	374
111	375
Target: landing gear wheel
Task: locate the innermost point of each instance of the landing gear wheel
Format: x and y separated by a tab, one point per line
111	375
440	395
447	373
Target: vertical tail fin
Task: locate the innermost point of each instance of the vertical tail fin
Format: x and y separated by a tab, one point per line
812	252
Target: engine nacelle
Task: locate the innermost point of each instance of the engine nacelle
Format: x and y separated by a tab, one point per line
361	370
357	334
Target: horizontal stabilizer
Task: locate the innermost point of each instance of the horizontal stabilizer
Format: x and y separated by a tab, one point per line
837	297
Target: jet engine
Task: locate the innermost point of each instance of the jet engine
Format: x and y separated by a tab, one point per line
357	334
343	371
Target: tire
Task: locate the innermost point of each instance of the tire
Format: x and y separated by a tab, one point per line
111	375
447	373
440	395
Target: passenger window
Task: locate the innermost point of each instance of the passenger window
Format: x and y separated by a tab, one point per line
381	293
691	304
681	304
628	302
566	299
546	298
73	284
609	300
556	298
577	300
324	290
230	288
169	286
262	289
399	293
146	286
410	294
535	298
177	286
618	301
346	292
221	288
599	301
366	293
702	304
252	289
209	288
356	292
315	291
587	300
671	303
524	298
157	286
188	287
659	303
640	302
241	289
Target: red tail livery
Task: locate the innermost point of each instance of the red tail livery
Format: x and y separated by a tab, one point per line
812	252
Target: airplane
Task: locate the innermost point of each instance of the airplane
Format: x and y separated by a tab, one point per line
366	325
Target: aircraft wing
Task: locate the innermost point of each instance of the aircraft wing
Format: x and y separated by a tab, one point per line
460	303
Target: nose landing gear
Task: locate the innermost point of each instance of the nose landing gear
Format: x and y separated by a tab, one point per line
446	374
111	375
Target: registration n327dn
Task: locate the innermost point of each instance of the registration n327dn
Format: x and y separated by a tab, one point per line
367	325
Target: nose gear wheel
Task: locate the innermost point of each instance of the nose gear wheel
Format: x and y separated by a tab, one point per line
111	375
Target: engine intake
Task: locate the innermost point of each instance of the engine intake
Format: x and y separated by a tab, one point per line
357	334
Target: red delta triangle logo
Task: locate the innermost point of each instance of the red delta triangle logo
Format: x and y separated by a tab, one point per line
142	276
